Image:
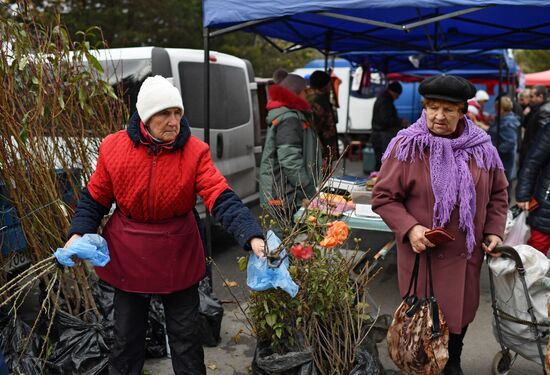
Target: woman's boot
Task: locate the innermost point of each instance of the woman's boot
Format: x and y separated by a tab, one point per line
456	342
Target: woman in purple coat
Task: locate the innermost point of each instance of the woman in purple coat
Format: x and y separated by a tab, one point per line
443	172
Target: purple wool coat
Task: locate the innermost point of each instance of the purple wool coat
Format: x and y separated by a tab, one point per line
403	197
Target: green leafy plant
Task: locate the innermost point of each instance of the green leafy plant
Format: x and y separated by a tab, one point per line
328	314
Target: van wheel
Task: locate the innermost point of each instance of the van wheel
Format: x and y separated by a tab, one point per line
502	363
343	142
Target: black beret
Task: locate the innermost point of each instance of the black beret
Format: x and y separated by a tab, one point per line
446	87
318	79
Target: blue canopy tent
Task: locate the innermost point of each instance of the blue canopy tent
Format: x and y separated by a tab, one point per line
485	62
357	25
338	26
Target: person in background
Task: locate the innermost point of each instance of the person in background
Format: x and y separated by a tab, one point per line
385	122
279	75
154	171
472	114
538	117
481	97
324	119
505	136
443	171
291	159
523	100
534	182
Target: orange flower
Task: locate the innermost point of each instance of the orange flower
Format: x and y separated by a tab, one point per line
336	234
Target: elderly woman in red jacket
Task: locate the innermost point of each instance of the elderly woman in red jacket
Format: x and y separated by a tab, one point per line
154	171
443	171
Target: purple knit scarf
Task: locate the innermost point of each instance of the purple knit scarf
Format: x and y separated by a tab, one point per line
452	181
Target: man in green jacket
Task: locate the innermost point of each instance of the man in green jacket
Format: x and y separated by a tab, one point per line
291	158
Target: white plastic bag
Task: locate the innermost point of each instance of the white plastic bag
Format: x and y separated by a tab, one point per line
520	231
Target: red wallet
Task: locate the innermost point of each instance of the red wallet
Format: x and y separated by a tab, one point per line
439	236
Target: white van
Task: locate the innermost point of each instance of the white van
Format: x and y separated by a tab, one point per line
234	121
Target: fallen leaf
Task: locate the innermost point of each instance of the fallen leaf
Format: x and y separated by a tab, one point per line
237	337
212	367
231	284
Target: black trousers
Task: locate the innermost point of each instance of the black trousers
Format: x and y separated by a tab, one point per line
182	325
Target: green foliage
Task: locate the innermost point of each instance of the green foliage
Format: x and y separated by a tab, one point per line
533	60
54	111
326	314
169	23
275	313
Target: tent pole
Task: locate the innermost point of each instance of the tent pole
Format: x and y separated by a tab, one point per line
208	218
499	101
327	49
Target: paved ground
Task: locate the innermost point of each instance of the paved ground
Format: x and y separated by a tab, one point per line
234	354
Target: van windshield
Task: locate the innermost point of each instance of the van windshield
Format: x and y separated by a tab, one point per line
126	77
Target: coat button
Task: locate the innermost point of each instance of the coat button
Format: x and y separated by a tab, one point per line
440	256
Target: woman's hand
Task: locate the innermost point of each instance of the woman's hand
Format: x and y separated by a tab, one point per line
418	241
258	246
71	240
490	242
523	205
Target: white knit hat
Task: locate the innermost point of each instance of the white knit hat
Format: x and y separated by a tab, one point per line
481	95
157	93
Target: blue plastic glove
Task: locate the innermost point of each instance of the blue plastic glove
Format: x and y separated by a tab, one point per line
90	247
261	277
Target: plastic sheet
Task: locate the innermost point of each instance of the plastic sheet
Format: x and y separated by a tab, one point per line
211	313
21	356
90	247
155	339
293	363
259	276
80	347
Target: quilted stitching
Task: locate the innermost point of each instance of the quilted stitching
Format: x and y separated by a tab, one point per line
149	187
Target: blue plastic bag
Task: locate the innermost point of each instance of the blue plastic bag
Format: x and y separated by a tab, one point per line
90	247
261	277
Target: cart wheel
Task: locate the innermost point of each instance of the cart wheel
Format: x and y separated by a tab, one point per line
502	363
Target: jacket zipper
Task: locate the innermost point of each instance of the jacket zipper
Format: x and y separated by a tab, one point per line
151	186
547	192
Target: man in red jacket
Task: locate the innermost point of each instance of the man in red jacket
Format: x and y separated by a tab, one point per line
154	170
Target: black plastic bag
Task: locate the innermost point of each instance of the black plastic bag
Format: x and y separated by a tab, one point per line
211	314
79	347
155	340
21	355
367	361
266	362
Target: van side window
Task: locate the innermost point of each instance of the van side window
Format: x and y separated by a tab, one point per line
229	97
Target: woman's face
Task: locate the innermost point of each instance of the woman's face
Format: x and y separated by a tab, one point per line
165	125
442	116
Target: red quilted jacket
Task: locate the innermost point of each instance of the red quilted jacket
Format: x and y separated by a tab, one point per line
153	187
